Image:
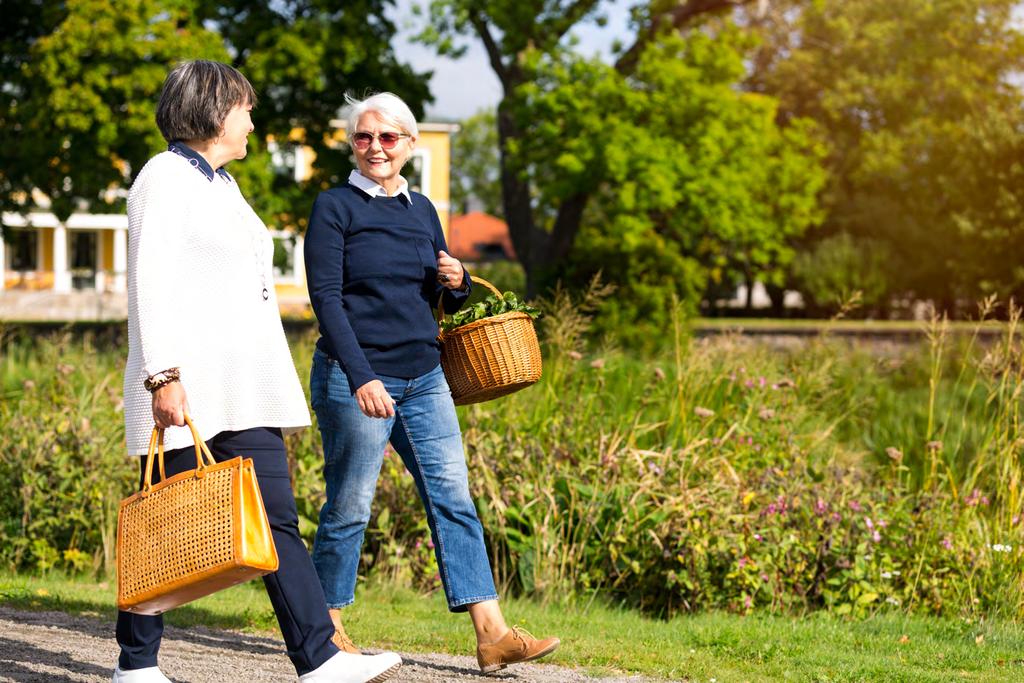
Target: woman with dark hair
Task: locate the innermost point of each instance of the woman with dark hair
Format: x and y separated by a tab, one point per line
205	335
377	267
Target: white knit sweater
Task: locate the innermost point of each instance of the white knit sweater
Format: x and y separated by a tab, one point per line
198	259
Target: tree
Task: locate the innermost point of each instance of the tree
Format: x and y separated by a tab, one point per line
475	179
302	56
919	107
618	151
77	111
693	182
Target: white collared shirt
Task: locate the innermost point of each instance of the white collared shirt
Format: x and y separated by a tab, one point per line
374	189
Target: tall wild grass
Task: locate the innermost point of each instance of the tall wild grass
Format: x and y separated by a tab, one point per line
719	473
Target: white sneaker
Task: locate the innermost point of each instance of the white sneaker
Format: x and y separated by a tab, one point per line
151	674
348	668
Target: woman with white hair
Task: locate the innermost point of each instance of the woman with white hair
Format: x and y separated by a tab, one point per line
377	266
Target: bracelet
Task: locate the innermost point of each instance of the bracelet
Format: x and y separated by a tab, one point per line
164	377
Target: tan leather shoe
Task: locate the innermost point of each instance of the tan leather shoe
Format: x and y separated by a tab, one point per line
516	646
344	643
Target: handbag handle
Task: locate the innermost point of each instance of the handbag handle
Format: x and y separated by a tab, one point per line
480	280
156	443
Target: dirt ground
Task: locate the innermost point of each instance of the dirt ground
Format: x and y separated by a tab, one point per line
59	648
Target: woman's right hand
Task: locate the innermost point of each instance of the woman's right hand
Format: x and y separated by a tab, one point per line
374	400
169	405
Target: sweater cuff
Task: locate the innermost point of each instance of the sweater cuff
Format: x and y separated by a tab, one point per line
357	377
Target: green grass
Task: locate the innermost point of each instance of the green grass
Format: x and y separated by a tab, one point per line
605	640
850	326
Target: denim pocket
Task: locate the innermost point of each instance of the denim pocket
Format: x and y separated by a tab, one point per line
318	380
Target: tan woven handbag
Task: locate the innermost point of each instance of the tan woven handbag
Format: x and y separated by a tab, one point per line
491	357
191	535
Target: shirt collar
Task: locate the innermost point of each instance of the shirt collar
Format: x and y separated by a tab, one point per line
370	187
196	159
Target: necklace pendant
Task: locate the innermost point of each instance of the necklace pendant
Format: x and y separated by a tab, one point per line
266	294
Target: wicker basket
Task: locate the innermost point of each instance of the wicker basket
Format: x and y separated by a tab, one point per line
491	357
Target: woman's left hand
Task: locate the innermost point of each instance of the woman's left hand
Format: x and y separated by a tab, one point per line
450	272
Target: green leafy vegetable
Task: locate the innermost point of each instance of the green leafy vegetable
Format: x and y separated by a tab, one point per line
491	306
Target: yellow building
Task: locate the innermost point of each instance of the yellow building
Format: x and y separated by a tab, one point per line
84	260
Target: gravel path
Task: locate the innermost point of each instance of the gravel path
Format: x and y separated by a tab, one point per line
59	648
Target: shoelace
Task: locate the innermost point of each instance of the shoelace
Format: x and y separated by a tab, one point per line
521	634
343	637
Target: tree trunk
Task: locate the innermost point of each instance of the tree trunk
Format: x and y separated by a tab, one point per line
778	297
515	199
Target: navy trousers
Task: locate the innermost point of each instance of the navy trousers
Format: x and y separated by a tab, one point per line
294	589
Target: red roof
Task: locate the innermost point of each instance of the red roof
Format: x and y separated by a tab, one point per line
479	236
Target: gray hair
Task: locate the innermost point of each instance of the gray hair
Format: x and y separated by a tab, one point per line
196	98
388	106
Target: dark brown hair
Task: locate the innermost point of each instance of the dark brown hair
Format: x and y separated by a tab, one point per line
197	97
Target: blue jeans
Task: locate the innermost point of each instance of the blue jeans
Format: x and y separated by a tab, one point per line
425	433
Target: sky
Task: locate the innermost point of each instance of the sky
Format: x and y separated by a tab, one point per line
464	86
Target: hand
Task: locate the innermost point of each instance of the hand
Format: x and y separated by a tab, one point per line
169	405
450	272
374	400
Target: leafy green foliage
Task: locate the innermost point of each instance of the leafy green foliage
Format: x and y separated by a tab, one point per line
302	57
691	181
77	116
475	180
919	106
830	272
654	169
492	305
62	460
77	112
718	475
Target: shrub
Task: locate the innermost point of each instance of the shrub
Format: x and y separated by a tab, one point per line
717	474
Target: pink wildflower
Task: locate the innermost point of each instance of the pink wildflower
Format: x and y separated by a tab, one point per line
976	498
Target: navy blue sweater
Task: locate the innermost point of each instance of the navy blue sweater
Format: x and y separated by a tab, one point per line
371	269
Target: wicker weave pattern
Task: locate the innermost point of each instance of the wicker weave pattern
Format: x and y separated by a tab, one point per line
193	534
491	357
177	531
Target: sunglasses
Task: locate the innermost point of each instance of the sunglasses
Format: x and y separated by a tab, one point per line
363	140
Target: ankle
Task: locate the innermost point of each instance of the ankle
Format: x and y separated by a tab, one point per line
491	635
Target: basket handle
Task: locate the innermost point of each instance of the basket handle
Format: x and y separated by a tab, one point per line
440	299
156	443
